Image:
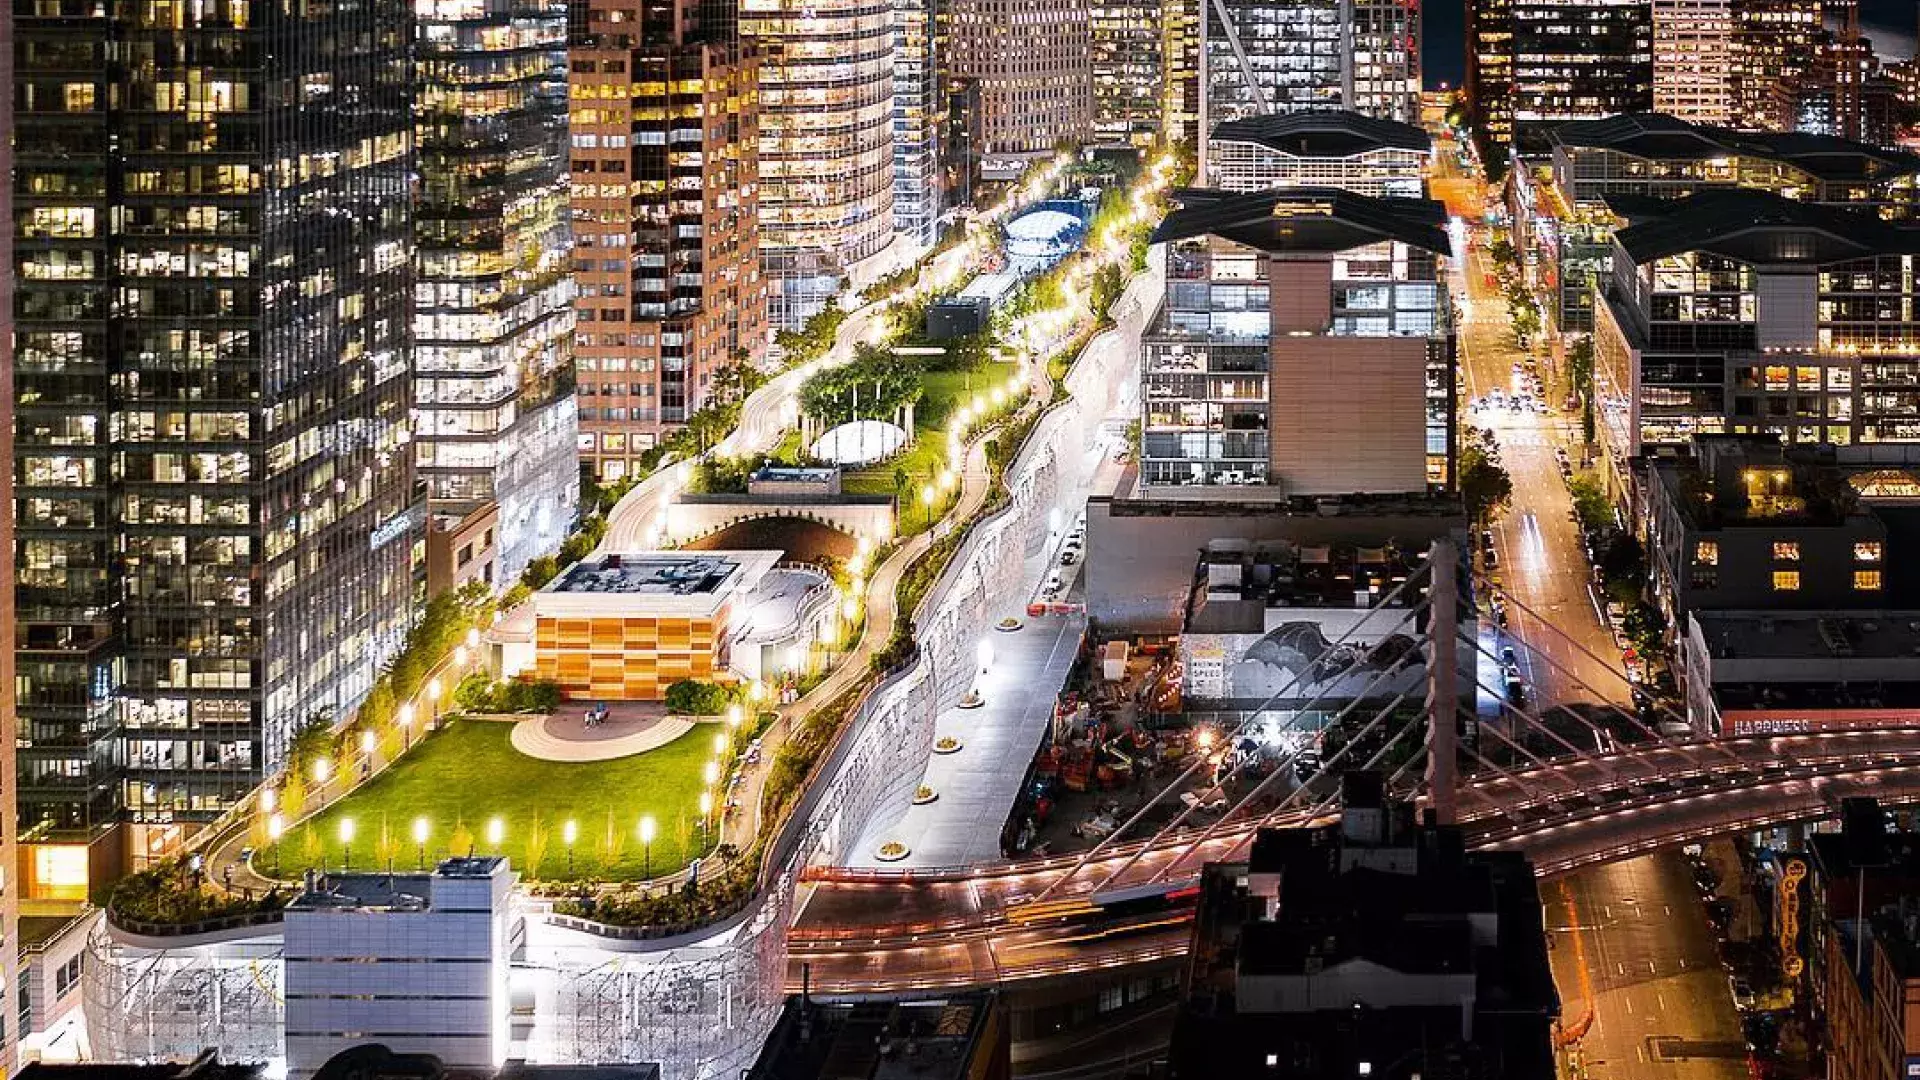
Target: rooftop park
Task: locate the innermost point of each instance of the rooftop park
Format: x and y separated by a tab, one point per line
466	789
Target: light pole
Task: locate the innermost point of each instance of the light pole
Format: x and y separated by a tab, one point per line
346	844
366	751
496	832
706	814
570	832
276	828
433	702
646	848
420	840
406	725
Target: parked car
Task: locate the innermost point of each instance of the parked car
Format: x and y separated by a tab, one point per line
1069	557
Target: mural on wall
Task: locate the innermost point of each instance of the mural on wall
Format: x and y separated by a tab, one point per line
1302	656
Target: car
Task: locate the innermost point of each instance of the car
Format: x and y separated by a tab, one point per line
1492	557
753	751
1053	582
1069	557
1508	658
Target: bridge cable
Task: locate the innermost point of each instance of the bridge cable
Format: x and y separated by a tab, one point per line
1178	781
1287	761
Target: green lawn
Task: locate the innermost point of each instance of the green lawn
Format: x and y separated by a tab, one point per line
945	392
470	774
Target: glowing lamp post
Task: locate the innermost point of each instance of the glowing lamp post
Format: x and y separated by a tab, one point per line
569	833
346	843
496	832
420	831
926	501
646	847
321	770
706	812
406	724
719	743
734	716
433	703
711	773
276	828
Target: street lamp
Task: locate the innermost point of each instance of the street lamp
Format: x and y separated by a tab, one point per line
406	724
346	843
926	501
570	832
711	773
420	828
276	828
366	751
320	771
719	743
459	656
268	798
646	847
496	832
473	639
706	812
433	700
734	715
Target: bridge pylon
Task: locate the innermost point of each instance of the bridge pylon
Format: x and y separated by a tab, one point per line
1443	680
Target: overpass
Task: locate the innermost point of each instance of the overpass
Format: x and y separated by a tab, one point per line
692	516
1608	788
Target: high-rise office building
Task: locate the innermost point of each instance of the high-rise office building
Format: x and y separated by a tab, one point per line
495	427
918	114
1775	45
665	216
1693	60
9	883
1259	58
826	165
1180	70
1033	65
216	504
1128	95
1533	63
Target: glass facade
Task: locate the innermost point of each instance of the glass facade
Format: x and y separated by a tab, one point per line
1531	63
917	111
493	318
1358	55
1033	67
1127	70
826	144
216	502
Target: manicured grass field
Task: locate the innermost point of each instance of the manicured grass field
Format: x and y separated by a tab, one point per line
946	391
470	774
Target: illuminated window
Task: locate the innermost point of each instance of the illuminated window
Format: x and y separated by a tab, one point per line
1866	580
1786	550
1786	580
1867	551
1707	553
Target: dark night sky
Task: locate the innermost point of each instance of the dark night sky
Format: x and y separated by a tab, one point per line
1890	23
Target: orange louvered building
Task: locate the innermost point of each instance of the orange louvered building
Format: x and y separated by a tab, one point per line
625	627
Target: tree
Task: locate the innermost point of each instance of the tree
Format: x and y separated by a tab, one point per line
875	383
1501	249
460	841
1623	566
538	836
1485	487
377	710
696	697
1645	627
1580	368
293	793
1590	503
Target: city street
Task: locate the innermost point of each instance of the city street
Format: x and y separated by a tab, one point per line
1631	946
1632	949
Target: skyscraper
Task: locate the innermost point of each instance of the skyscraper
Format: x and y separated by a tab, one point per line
1259	58
826	144
1775	45
665	216
493	322
1128	69
1536	62
918	111
9	815
216	506
1693	60
1032	62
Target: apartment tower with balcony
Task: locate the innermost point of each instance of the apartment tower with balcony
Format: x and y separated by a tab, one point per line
826	168
495	428
216	506
665	111
1304	347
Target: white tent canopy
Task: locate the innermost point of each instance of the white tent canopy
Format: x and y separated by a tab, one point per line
860	442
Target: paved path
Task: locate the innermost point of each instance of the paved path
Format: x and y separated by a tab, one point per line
565	737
